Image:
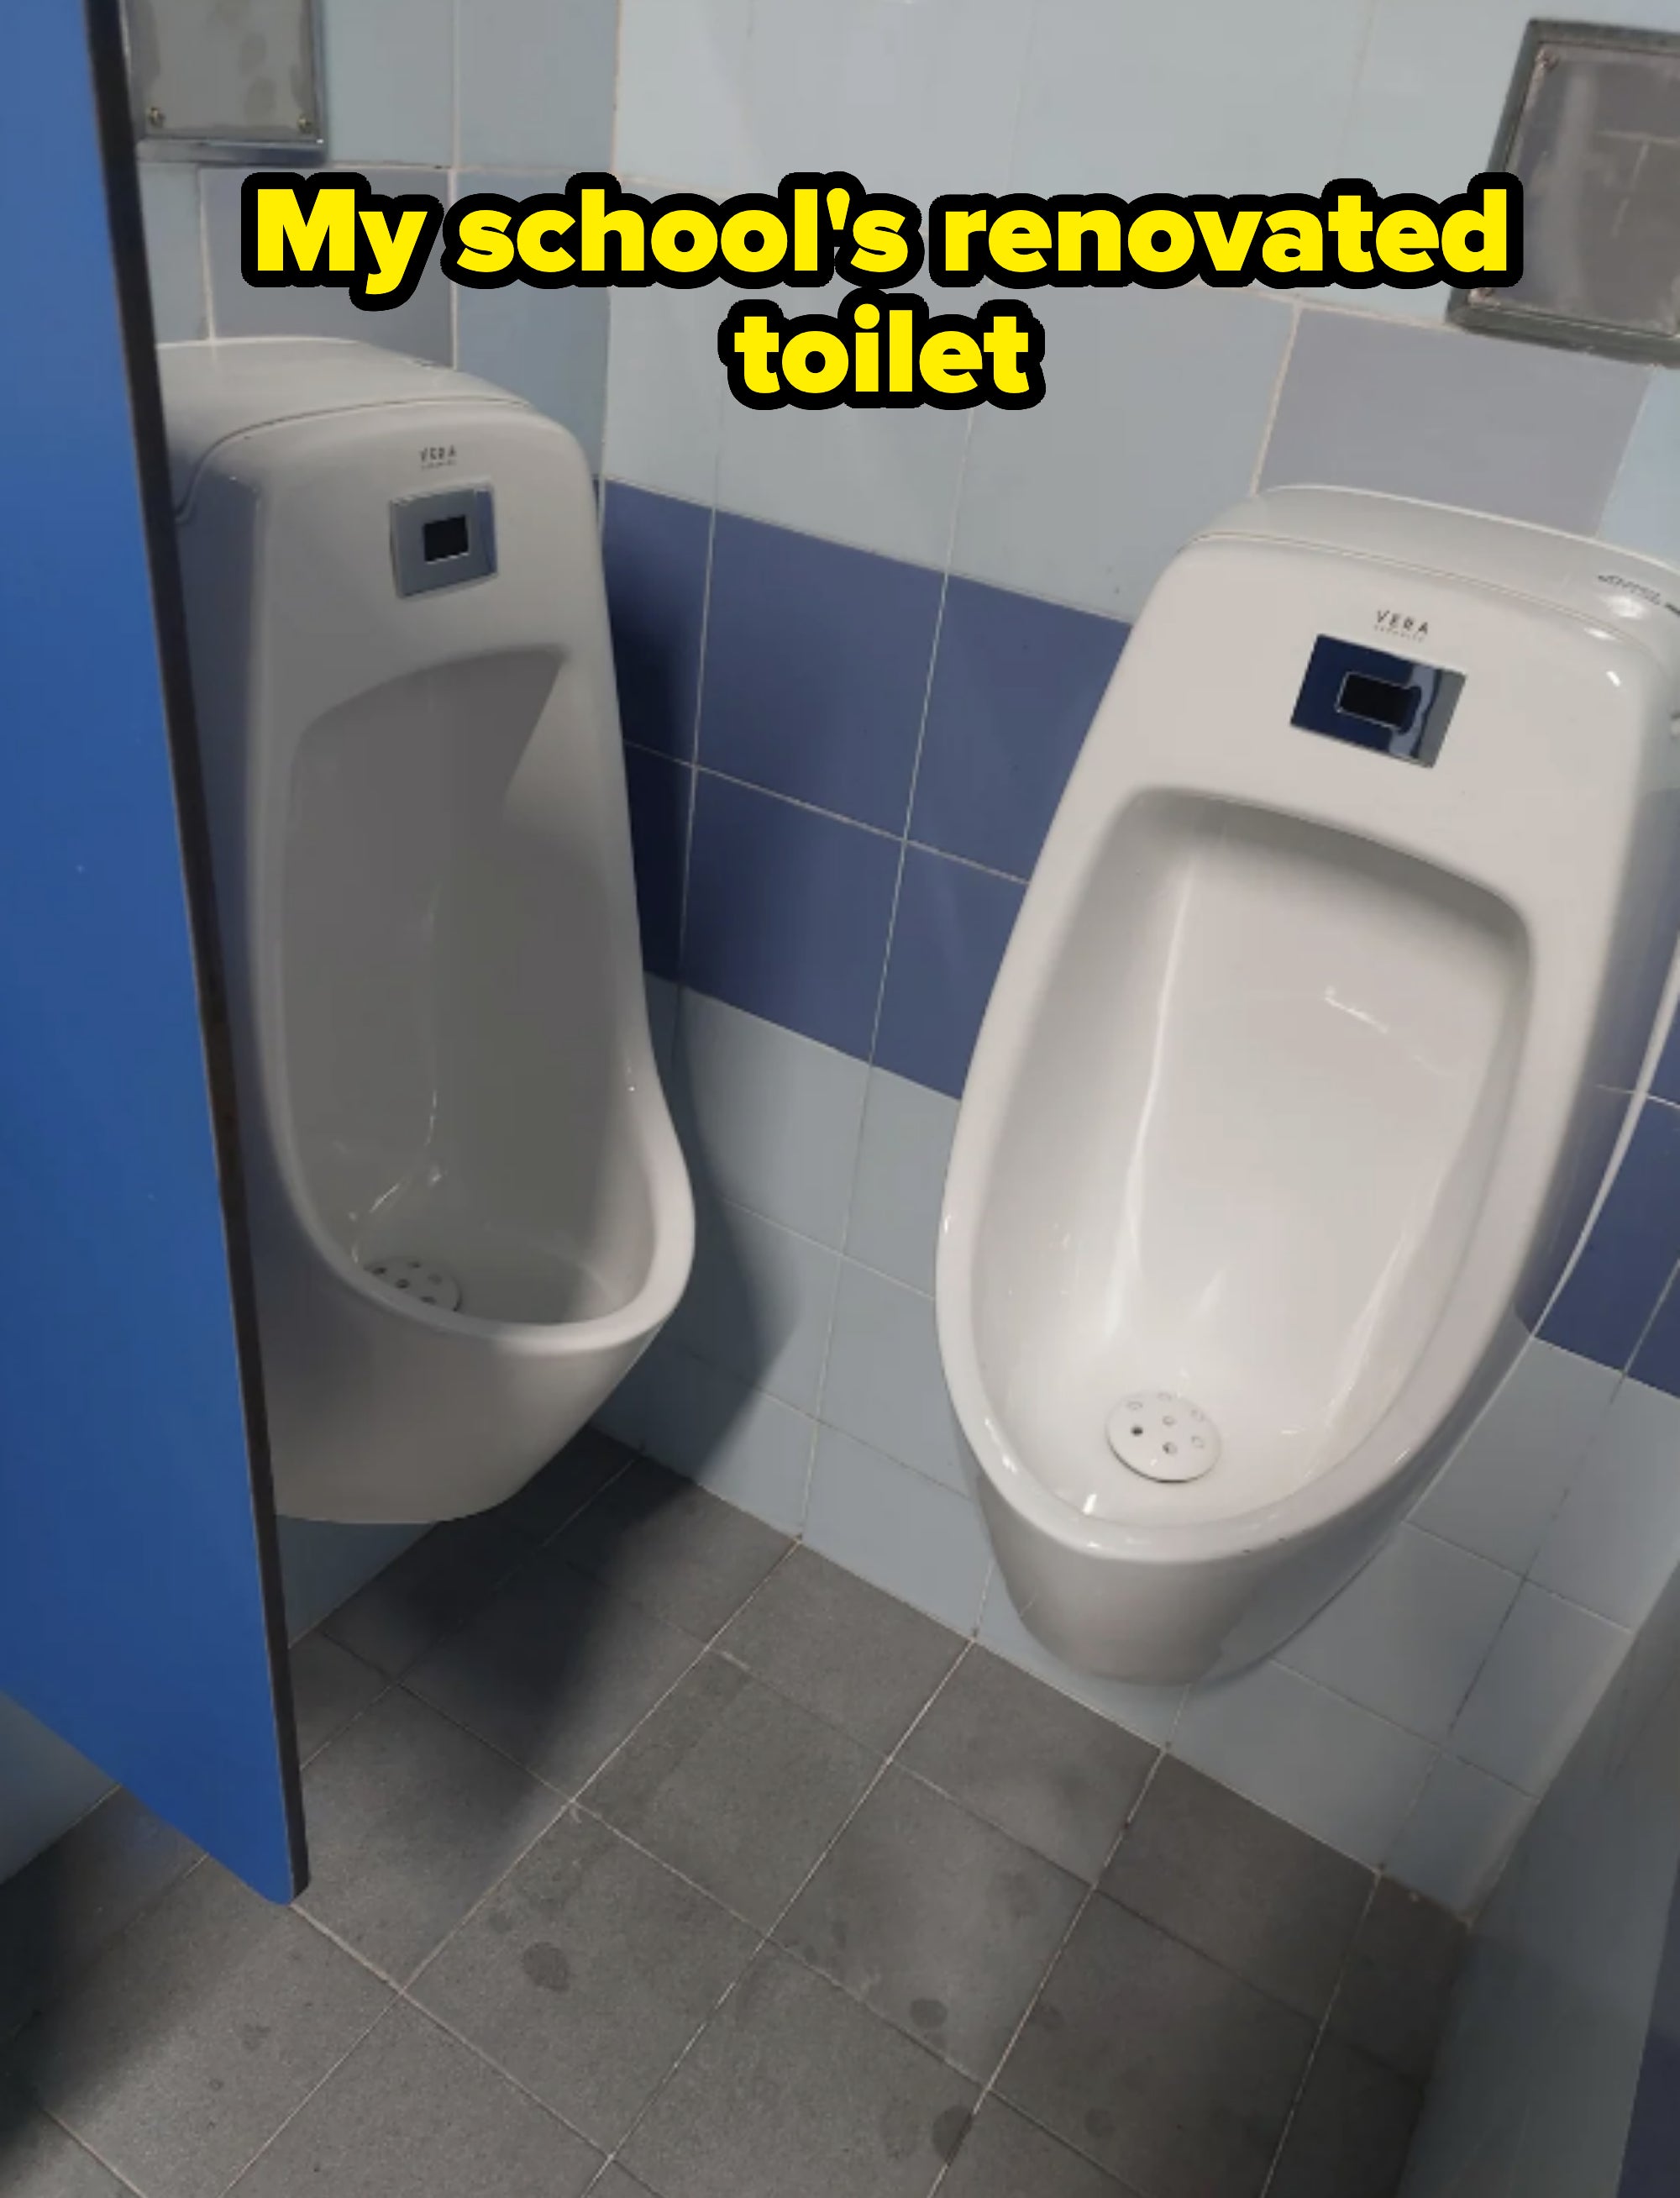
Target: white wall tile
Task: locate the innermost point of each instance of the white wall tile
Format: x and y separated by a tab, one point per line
770	1118
666	390
536	83
1643	512
682	95
901	1176
174	249
759	1303
549	346
879	480
1201	95
1407	1637
1549	1666
1158	403
1457	1839
885	1384
1506	1479
390	68
1348	1777
898	1529
749	1448
916	100
1615	1543
1149	1712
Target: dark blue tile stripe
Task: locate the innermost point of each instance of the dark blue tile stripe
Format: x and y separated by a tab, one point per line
802	897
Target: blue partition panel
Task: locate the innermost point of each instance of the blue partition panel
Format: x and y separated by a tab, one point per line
137	1595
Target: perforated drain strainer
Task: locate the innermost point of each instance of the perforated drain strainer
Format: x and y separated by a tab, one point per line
419	1278
1164	1437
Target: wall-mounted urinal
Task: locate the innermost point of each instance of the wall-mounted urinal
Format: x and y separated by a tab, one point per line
1291	1097
469	1211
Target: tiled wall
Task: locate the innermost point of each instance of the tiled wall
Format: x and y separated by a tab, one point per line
439	96
858	652
1556	2074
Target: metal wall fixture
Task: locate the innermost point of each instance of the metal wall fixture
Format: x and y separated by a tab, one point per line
1592	126
220	79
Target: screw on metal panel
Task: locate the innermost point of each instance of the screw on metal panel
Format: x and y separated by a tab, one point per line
154	115
304	124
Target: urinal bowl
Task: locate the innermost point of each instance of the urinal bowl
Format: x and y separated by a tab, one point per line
469	1213
1302	1068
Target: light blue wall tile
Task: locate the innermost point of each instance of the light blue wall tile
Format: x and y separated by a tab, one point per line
1408	1636
901	1173
1151	1712
682	107
898	1529
1643	512
666	390
760	1304
536	86
1549	1666
770	1119
1201	95
44	1787
549	346
915	100
174	249
1457	1837
322	1565
1615	1543
1511	1472
1157	409
885	1384
391	80
749	1448
1507	428
1347	1777
423	327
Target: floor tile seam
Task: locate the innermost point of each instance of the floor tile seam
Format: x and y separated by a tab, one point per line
989	2089
574	1796
274	2135
767	1937
72	1983
595	1816
81	2144
1319	2035
972	1810
388	1686
488	2060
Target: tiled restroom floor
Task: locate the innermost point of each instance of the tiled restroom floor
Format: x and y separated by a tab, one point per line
655	1855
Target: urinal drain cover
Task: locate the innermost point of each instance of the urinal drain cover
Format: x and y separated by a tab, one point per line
1163	1436
419	1278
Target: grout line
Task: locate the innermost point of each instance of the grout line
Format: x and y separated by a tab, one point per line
83	2145
1318	2037
694	765
274	2135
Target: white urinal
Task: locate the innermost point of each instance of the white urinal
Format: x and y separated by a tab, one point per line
469	1211
1305	1059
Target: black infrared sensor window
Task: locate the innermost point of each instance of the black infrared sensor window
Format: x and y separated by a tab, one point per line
1367	698
446	537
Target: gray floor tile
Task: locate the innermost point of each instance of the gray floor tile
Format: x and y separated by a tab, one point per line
1046	1768
615	2183
1392	1998
587	1974
38	2161
62	1910
1352	2130
556	1672
414	2114
435	1585
409	1820
197	2034
1167	2070
735	1787
565	1485
1004	2156
937	1921
329	1687
1263	1899
796	2089
836	1645
670	1546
